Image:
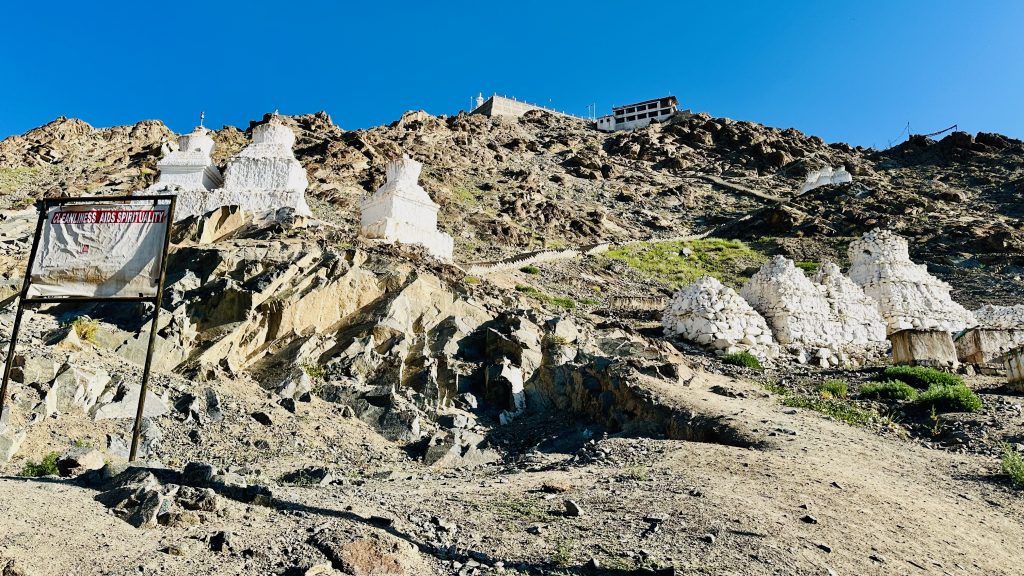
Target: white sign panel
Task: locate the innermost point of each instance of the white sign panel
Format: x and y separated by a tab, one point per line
100	251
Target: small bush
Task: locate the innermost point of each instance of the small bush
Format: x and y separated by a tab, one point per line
1013	465
888	390
313	370
559	301
808	267
920	376
85	328
530	269
471	280
950	398
46	467
834	389
744	358
841	410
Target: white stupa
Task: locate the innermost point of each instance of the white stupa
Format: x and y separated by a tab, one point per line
262	179
402	211
190	167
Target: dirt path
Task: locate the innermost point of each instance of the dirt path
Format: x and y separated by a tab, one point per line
879	506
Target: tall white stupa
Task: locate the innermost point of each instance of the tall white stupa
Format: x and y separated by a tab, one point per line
402	211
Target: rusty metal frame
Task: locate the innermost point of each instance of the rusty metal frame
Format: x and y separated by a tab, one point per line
157	300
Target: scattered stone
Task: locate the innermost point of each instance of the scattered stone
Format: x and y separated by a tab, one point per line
78	460
572	508
223	542
809	519
262	418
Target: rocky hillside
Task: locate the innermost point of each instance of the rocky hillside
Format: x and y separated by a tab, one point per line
508	186
325	405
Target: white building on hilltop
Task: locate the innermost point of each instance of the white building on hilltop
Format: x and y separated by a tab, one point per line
638	114
263	178
402	211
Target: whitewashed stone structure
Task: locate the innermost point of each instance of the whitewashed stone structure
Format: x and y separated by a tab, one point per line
402	211
190	167
1000	317
907	295
860	322
1014	364
829	321
262	179
714	316
825	176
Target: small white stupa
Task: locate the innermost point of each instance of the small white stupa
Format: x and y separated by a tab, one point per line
190	167
402	211
262	179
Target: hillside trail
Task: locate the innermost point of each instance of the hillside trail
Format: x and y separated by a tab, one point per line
813	496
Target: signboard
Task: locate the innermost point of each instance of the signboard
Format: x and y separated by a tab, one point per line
101	250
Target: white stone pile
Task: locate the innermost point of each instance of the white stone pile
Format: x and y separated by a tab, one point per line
907	295
825	176
860	322
827	322
1000	317
715	316
794	307
190	166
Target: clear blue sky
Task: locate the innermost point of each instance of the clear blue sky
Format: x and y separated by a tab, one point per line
846	71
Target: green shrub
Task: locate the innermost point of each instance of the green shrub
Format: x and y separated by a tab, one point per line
315	371
1013	465
85	328
744	358
808	267
841	410
46	467
682	262
920	376
888	390
471	280
558	301
834	389
949	398
530	269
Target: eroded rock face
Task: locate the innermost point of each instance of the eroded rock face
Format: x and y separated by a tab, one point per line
907	295
715	316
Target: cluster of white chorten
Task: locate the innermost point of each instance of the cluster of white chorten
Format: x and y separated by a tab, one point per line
830	317
265	177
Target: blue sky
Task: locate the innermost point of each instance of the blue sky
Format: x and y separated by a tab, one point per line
846	71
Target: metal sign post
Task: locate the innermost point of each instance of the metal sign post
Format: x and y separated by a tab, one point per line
156	300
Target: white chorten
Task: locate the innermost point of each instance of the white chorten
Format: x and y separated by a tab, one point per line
190	167
402	211
263	178
907	295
